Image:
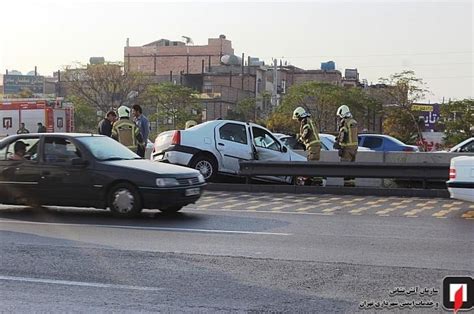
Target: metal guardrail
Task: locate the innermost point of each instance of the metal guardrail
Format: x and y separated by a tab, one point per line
417	171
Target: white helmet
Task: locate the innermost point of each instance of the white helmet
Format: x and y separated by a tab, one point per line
300	113
343	112
190	124
123	112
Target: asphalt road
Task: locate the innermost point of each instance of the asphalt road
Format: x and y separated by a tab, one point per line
235	252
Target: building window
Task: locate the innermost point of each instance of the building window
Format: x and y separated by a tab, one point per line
7	123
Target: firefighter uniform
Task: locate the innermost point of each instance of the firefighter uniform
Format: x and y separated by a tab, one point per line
309	136
127	133
348	143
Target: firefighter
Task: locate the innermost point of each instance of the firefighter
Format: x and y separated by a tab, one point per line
346	141
309	136
126	131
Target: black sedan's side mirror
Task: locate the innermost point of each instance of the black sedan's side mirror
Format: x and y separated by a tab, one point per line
79	162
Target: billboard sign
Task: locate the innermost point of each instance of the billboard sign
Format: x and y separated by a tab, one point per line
14	84
429	113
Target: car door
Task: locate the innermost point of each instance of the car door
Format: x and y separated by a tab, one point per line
61	182
233	144
268	148
19	173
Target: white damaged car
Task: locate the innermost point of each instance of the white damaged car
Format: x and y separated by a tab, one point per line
217	147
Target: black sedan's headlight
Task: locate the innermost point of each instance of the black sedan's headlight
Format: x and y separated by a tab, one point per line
166	182
201	178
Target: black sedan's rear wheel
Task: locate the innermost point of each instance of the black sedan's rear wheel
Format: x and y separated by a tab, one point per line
124	200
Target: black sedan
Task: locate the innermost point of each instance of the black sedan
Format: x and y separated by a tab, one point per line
85	170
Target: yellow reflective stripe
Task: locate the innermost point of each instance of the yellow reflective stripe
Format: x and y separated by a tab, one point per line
349	144
315	132
314	142
347	128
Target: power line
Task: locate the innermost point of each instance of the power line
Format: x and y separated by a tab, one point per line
448	77
410	65
378	55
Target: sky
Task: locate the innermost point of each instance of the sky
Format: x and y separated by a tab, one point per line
379	38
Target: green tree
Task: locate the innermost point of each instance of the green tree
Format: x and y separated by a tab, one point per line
458	120
25	93
399	124
404	90
245	110
281	122
85	116
322	101
175	102
363	106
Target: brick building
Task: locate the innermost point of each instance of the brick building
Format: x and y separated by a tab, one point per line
223	87
164	57
293	76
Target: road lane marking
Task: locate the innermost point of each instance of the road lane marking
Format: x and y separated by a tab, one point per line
302	212
6	221
468	214
444	212
331	209
385	212
287	205
78	283
416	211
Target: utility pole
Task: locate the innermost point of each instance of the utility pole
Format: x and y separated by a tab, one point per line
275	85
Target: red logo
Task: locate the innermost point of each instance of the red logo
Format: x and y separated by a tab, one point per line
458	293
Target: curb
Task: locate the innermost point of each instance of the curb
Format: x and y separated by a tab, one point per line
336	190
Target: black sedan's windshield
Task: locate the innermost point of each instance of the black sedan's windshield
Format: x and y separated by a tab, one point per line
104	148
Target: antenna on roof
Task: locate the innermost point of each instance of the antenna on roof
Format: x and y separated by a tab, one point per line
188	40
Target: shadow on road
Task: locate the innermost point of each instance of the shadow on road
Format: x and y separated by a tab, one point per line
148	218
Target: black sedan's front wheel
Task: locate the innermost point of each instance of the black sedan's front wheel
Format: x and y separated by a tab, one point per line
124	200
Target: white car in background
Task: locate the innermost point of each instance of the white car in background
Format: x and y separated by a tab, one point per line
466	146
461	178
148	149
217	147
327	142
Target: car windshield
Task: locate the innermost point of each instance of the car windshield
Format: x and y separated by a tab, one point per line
104	148
327	140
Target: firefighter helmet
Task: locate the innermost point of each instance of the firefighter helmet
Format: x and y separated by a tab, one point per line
343	112
190	124
300	113
123	112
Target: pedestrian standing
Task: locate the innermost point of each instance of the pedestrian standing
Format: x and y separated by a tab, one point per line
143	125
41	128
22	129
347	139
105	125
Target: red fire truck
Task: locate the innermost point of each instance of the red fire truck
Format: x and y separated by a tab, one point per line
55	115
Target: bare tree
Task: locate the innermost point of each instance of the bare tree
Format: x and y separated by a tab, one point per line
103	86
404	90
